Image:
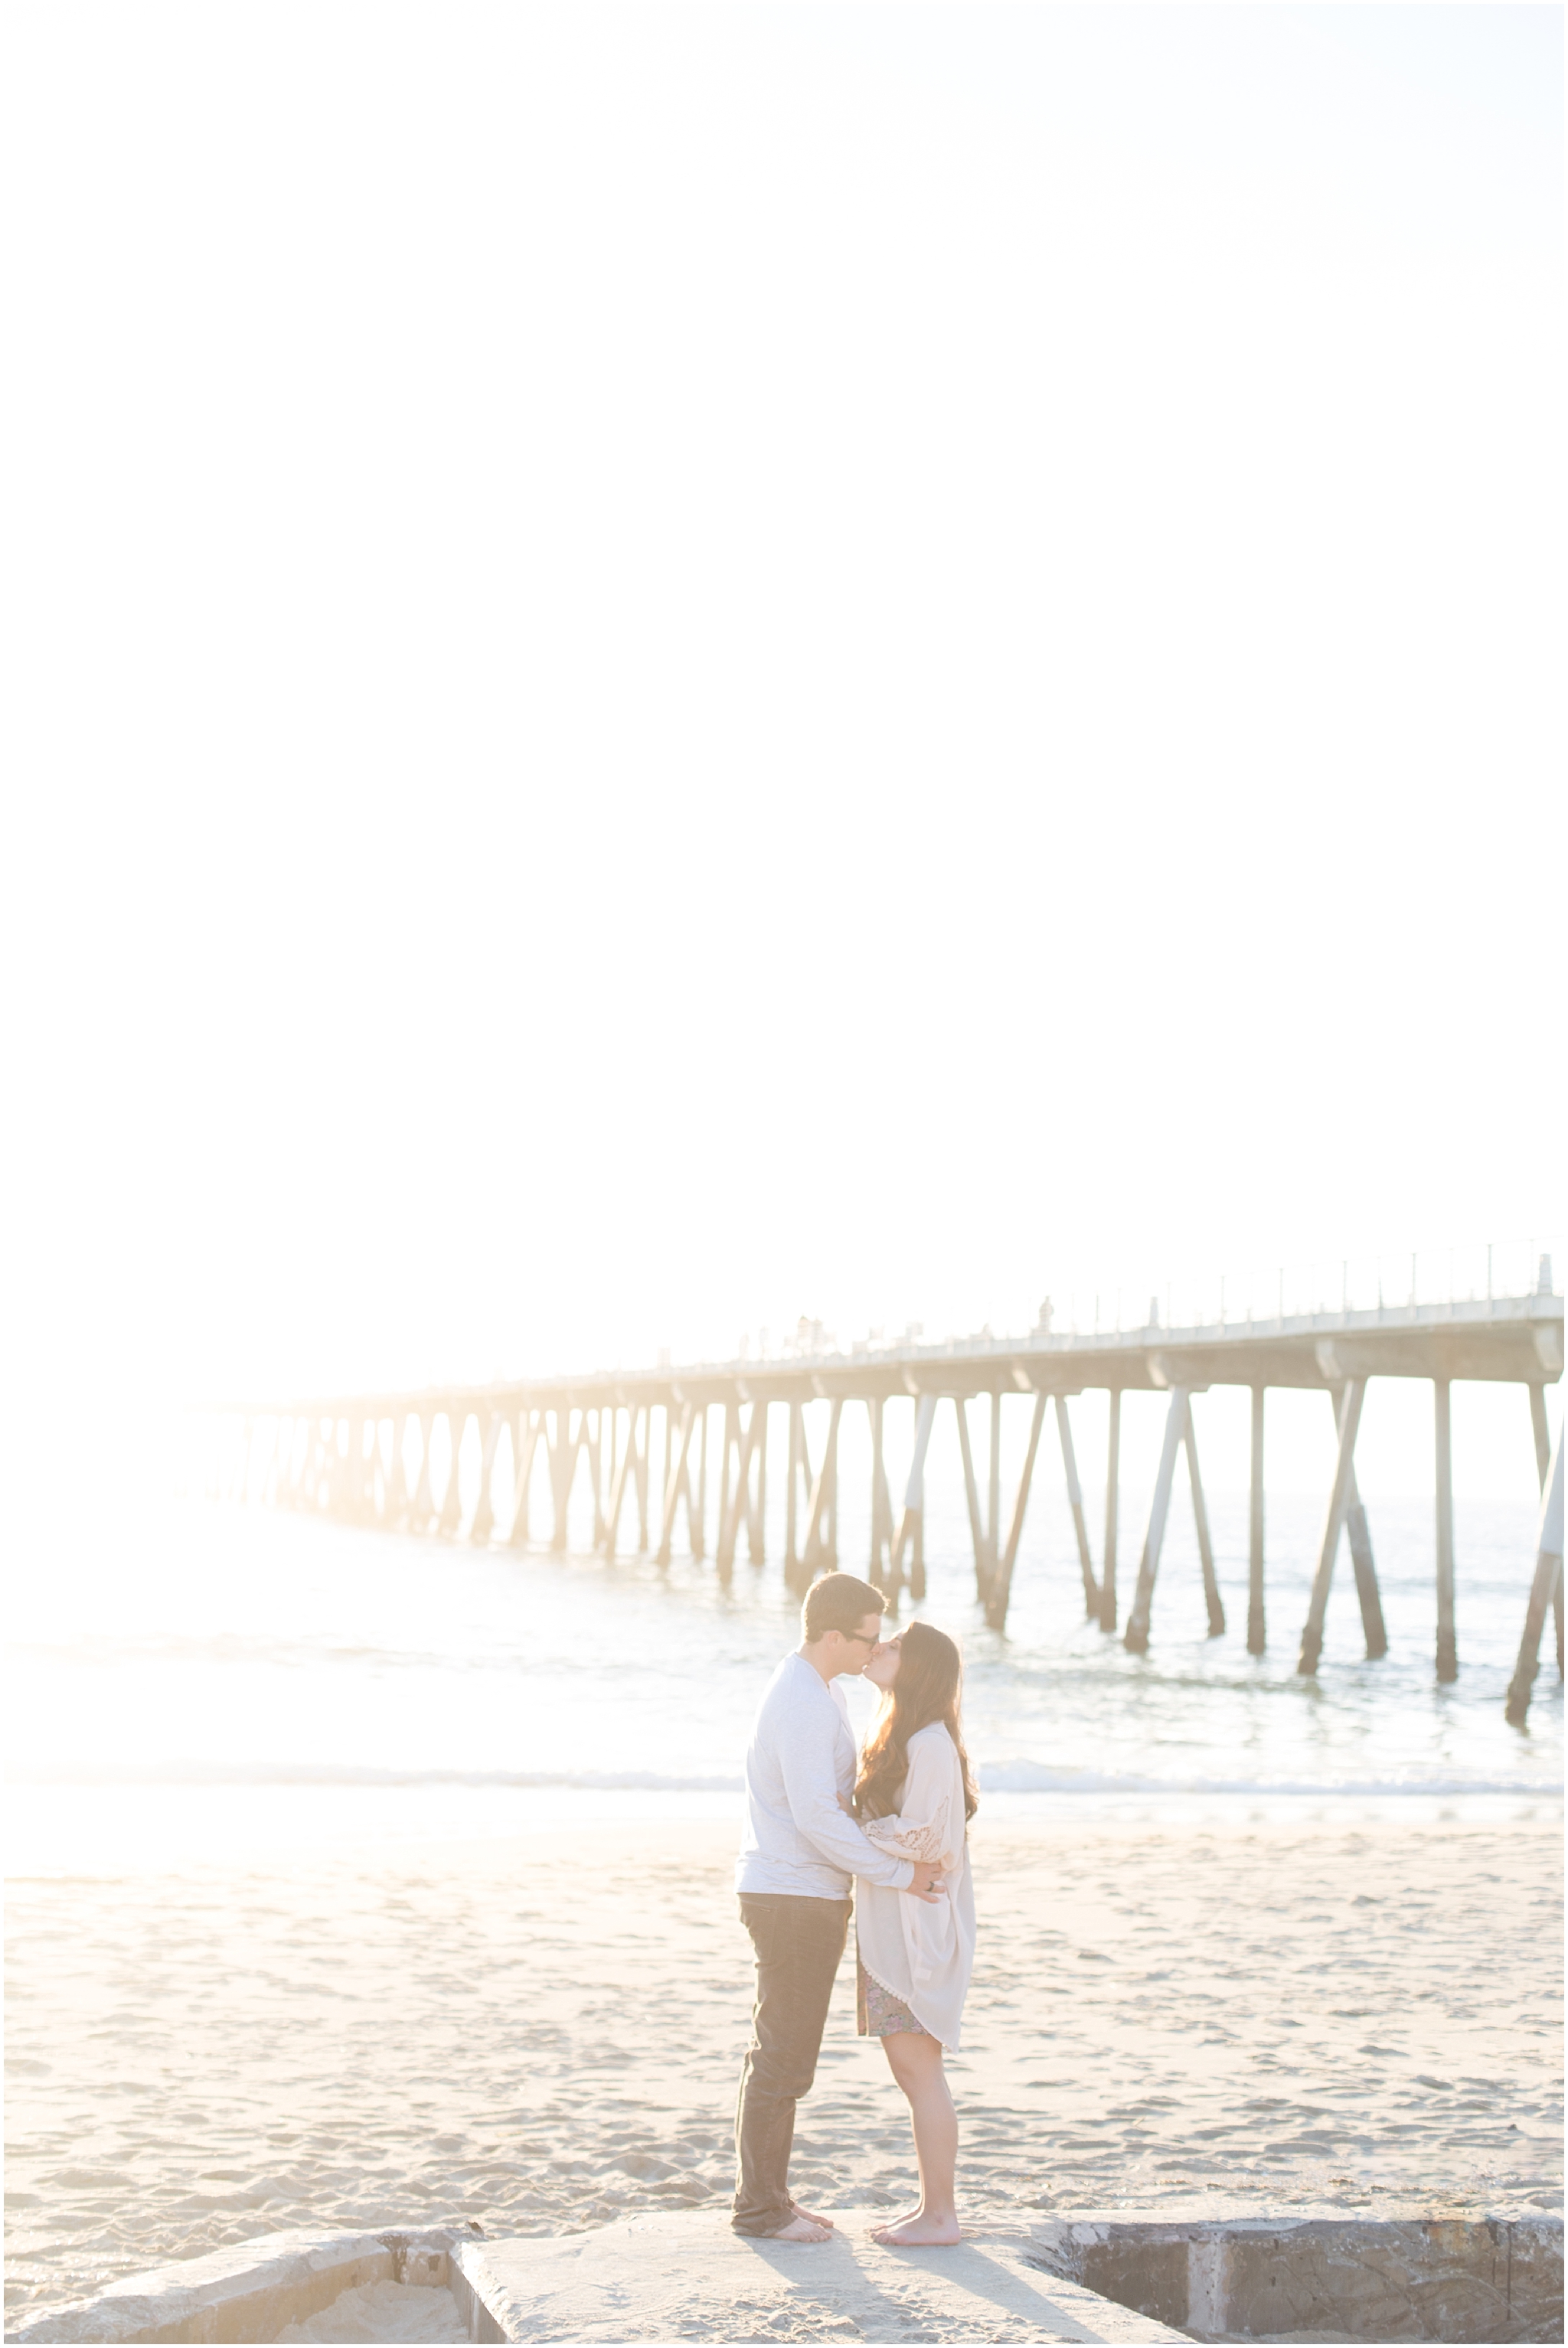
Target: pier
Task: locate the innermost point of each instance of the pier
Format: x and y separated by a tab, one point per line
654	1445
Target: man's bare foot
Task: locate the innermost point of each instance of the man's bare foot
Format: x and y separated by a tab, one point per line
801	2229
921	2233
812	2216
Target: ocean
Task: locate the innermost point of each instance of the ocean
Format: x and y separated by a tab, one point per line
215	1675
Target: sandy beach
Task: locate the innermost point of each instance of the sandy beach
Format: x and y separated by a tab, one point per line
1238	2010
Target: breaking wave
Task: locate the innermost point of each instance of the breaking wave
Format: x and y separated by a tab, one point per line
996	1777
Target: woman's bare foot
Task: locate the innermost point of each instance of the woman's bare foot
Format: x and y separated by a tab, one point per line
921	2233
899	2217
801	2228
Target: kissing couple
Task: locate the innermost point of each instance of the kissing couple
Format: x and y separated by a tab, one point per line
893	1820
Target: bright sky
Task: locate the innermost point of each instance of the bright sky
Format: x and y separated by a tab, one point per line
683	666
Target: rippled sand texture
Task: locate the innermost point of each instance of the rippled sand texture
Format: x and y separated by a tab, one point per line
545	2038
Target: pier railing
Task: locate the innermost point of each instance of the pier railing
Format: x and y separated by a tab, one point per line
1438	1281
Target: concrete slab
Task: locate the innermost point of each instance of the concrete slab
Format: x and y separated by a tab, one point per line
683	2275
246	2291
1295	2276
252	2291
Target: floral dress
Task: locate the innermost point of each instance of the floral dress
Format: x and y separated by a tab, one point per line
878	2014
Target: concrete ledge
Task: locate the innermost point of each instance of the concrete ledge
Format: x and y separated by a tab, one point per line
249	2290
473	2286
1312	2278
682	2275
685	2275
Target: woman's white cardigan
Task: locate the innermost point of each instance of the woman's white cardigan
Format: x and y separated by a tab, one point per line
924	1951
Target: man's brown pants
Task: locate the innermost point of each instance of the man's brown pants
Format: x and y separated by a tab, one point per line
799	1943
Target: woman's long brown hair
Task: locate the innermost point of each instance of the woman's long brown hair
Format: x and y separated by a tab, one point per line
930	1672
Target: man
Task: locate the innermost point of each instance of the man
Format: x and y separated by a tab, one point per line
800	1851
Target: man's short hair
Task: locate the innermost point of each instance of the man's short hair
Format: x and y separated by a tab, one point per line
838	1601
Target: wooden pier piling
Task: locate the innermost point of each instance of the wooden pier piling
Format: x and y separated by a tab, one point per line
757	1490
1075	1502
1545	1586
993	1489
698	1518
420	1508
799	1468
1136	1639
483	1521
1201	1519
1350	1418
674	1480
909	1537
1257	1632
739	1506
821	1554
1447	1656
983	1560
999	1590
1112	1497
1358	1533
881	1502
627	1470
1542	1465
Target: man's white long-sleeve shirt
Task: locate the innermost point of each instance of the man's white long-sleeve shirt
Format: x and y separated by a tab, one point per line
797	1841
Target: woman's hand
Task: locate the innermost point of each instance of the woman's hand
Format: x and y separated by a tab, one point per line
847	1806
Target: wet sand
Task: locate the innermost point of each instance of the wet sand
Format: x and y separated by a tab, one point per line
1237	2012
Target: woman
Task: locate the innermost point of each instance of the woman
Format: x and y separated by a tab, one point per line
915	1796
